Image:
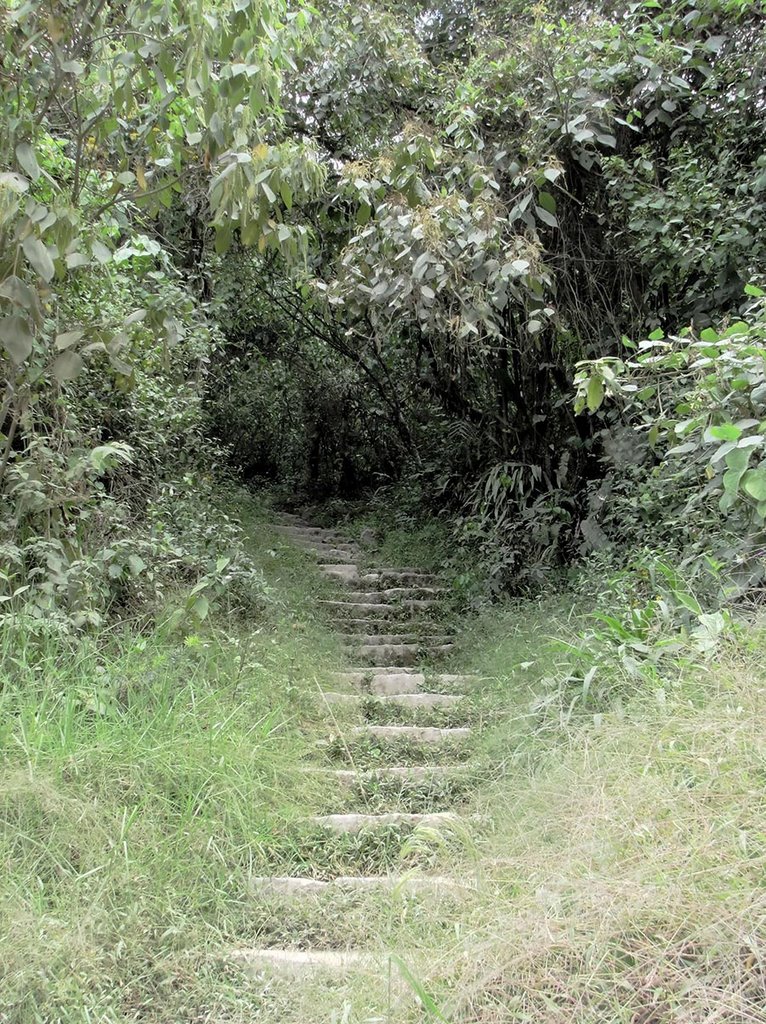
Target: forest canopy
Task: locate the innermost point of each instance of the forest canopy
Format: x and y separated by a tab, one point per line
504	262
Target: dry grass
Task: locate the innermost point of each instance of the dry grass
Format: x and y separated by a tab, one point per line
629	870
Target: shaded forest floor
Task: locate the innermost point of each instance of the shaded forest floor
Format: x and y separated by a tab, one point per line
149	776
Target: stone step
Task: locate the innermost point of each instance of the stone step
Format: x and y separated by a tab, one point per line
366	597
395	570
382	639
357	822
455	679
406	699
385	682
402	593
297	523
420	605
408	773
303	961
355	608
305	538
399	576
427	701
376	678
330	556
400	654
415	733
342	571
296	886
372	625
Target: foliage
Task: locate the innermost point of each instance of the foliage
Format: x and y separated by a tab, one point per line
696	399
362	246
502	202
108	117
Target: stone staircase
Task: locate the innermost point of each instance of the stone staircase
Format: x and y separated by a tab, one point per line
387	618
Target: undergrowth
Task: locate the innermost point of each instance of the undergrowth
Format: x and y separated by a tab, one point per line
611	857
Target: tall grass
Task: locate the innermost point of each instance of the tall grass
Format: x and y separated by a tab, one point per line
145	777
615	876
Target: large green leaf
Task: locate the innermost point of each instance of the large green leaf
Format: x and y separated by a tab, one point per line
39	257
595	393
16	338
67	365
737	462
754	483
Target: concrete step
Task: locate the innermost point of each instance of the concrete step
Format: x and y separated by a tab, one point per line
384	679
372	625
357	822
319	539
366	597
414	733
400	654
356	608
303	961
426	701
454	679
398	577
383	639
387	681
342	571
295	886
330	556
295	525
404	593
408	773
424	604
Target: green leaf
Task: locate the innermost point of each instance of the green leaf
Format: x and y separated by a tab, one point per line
751	289
27	160
737	460
723	432
102	253
19	293
68	338
737	328
38	255
136	564
546	217
754	483
15	182
657	334
287	195
546	200
16	338
67	366
201	607
595	393
74	260
709	335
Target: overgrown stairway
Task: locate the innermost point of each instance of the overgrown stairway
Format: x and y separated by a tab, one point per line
414	723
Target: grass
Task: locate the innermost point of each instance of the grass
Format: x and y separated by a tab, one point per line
145	777
616	853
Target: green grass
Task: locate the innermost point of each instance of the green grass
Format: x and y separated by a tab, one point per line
615	857
145	777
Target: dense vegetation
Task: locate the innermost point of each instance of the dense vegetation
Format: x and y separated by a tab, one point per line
344	248
489	278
